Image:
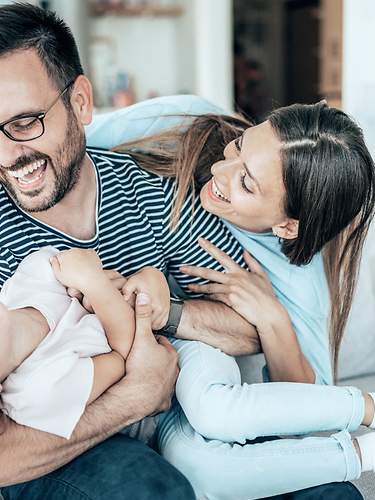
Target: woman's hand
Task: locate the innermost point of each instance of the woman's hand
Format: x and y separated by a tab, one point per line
249	293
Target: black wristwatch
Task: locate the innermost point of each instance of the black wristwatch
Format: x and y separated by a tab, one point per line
174	317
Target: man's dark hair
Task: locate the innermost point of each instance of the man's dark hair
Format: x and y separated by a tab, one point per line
24	26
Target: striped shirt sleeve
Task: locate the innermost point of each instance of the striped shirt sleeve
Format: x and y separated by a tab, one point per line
8	265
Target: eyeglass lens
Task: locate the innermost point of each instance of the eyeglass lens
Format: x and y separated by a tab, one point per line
25	129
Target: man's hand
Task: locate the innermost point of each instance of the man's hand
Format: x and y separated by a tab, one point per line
146	389
152	361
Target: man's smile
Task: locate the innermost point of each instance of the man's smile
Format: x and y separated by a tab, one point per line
30	176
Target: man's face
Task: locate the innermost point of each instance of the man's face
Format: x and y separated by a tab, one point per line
37	173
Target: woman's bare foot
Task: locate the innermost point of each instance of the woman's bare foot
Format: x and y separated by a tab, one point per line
21	331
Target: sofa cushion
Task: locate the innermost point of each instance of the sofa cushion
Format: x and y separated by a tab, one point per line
357	356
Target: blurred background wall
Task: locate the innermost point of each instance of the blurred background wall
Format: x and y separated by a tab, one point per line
248	55
358	85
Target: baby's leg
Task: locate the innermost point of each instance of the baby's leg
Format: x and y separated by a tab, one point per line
109	368
21	331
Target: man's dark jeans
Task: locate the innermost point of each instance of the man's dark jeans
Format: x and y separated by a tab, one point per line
125	469
120	468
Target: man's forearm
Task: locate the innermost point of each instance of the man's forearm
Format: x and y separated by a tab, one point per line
218	325
26	453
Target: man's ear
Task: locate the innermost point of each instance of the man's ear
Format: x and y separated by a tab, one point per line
287	230
82	100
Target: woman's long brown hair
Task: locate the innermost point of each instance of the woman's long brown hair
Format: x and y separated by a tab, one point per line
187	153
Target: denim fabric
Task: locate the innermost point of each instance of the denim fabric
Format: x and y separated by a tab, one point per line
219	406
228	471
118	469
330	491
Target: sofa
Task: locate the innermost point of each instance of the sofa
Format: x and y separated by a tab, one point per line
357	355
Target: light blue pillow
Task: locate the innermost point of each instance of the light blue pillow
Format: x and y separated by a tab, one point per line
148	117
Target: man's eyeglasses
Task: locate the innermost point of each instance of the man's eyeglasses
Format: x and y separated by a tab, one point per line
29	126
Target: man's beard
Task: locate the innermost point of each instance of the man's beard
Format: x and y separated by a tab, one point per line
66	168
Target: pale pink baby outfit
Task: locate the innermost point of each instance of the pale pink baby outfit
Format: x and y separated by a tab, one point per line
50	389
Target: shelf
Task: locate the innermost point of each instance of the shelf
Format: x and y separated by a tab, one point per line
98	10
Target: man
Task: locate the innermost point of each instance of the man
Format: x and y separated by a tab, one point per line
54	192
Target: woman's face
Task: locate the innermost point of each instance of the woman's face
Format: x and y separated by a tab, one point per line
247	187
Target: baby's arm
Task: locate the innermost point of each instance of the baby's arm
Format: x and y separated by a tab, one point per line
153	282
107	367
82	269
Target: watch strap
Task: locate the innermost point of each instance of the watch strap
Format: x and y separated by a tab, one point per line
175	313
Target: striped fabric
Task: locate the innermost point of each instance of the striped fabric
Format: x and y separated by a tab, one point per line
133	212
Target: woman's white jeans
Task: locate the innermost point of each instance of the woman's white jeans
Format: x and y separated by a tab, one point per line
205	437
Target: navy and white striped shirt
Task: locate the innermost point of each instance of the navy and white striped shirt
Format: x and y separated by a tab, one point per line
132	226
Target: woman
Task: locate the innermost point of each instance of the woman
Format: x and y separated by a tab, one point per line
306	175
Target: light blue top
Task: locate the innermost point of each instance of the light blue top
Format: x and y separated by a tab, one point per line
302	290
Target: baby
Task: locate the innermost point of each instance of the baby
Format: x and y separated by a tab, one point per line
56	358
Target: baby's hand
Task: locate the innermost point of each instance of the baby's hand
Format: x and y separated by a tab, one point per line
77	268
153	282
